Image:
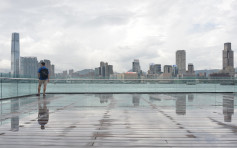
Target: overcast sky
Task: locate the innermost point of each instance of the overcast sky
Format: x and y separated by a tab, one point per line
78	34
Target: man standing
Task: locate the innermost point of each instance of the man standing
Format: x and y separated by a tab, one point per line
43	75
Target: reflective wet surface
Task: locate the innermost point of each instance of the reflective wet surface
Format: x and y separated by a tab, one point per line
120	120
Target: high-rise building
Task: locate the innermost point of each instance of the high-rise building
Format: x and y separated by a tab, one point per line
155	69
71	72
168	71
53	71
175	71
111	71
15	55
104	71
181	61
29	67
49	66
65	73
190	68
136	66
228	59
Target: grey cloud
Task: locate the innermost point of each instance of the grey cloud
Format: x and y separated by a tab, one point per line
80	33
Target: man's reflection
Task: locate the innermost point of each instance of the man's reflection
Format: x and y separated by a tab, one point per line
15	118
43	113
136	99
228	107
104	97
190	97
181	104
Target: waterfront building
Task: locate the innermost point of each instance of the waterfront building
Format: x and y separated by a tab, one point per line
175	70
65	73
49	66
15	55
104	71
131	75
181	62
53	71
168	71
228	59
29	67
136	66
117	76
154	69
71	72
190	68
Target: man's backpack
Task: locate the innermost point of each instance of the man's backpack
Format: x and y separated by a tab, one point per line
44	73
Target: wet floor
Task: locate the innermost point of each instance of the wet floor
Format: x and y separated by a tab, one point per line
120	120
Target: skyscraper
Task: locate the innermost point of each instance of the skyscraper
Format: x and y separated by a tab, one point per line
154	69
136	66
228	59
181	61
104	71
168	71
15	55
190	68
49	66
29	67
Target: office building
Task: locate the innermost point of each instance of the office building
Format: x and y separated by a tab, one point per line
71	72
49	66
154	69
65	73
15	55
168	71
228	59
136	67
190	68
181	62
175	70
29	67
104	71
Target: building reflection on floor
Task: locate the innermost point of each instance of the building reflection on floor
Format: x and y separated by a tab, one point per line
136	99
104	98
228	107
181	104
15	106
190	97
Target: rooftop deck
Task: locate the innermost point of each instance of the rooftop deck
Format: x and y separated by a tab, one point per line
120	120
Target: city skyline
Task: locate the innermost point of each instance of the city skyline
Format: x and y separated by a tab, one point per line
20	66
80	34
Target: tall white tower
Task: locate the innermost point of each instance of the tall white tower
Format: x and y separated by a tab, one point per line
181	61
15	55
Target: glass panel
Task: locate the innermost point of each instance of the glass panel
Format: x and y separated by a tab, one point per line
19	87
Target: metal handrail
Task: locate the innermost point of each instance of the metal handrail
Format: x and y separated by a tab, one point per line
114	79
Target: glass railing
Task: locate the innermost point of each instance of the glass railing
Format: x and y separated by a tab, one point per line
14	87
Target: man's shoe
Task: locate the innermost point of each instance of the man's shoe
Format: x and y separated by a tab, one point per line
38	95
44	95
